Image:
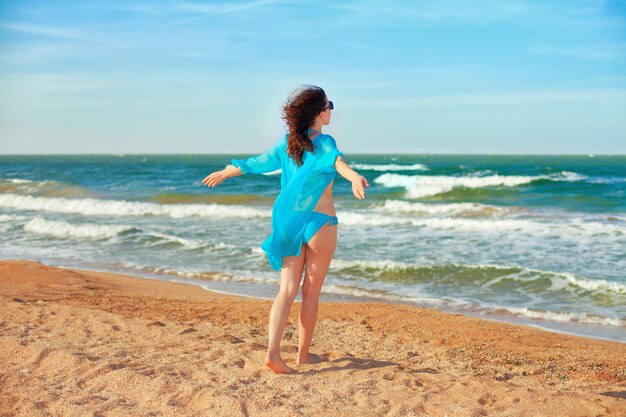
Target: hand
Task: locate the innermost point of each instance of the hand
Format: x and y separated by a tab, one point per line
357	187
214	178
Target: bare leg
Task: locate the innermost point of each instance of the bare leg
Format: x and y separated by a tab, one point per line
319	254
290	275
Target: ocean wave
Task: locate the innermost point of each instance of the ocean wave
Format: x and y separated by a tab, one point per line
606	180
389	294
575	227
565	317
158	238
485	275
454	209
384	295
568	176
391	167
232	199
10	218
17	180
64	229
418	186
218	276
44	188
100	207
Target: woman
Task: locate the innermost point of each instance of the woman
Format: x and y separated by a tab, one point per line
303	234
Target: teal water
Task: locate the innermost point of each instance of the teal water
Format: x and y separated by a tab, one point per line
532	239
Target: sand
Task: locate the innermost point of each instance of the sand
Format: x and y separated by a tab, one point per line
82	343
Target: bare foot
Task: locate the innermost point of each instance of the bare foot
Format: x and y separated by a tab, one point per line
276	364
310	358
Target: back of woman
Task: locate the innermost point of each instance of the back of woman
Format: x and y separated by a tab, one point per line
304	222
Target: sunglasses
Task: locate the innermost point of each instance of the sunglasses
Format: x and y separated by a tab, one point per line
330	105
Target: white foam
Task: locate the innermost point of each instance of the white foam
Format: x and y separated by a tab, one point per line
400	206
10	218
391	167
93	206
597	228
569	176
217	276
595	284
378	266
559	280
606	180
360	292
428	185
17	180
188	243
485	225
63	229
362	219
565	317
29	185
163	237
488	225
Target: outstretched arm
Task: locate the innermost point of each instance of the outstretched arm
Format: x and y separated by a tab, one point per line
358	181
257	164
217	177
331	160
260	164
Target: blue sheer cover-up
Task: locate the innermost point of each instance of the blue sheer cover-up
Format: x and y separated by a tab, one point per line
301	188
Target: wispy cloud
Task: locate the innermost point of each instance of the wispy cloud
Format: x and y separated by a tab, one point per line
588	52
204	11
440	10
59	32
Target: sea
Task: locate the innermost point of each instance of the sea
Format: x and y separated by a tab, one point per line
538	240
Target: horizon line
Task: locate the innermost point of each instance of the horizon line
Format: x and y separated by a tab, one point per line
591	154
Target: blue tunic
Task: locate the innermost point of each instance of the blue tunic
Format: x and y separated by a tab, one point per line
301	188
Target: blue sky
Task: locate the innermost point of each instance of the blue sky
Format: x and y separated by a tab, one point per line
442	76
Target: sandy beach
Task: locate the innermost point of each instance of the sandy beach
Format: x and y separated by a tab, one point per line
82	343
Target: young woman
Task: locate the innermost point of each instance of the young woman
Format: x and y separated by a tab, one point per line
304	231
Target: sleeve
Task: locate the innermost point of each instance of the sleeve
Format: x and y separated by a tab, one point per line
328	155
259	164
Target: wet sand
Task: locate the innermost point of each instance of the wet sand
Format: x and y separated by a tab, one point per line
82	343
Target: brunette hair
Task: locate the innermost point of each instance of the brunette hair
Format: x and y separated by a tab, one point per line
299	112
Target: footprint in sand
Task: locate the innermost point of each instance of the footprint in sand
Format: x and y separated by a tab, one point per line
505	377
230	338
115	366
487	398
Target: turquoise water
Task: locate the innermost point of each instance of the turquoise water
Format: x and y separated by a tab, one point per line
538	240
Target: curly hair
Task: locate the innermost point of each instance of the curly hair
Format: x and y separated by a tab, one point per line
299	113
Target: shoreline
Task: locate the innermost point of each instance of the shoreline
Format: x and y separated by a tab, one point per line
347	298
77	341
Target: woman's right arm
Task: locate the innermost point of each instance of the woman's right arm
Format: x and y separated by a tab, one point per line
217	177
258	164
